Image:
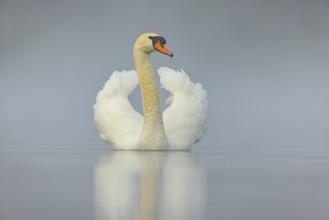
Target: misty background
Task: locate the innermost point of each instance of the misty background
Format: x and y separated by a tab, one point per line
264	64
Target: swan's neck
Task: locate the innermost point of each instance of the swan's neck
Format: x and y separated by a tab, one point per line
153	135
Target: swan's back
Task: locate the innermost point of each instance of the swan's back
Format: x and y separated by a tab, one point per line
184	120
186	117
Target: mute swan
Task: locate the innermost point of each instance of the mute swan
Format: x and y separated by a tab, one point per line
181	125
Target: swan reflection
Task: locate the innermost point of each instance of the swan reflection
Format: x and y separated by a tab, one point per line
149	186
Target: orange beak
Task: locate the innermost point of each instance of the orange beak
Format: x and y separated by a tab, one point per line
162	49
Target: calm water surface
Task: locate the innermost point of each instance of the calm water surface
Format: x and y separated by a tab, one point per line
72	183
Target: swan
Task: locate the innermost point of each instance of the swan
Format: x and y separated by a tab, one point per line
181	125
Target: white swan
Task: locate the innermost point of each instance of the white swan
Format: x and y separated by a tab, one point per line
181	125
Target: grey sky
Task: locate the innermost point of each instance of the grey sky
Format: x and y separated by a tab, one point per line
264	64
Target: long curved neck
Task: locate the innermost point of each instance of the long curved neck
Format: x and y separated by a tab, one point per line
153	135
149	89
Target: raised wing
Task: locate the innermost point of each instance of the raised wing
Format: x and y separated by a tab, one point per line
186	117
116	120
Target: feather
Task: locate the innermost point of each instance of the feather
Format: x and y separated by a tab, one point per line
116	120
186	118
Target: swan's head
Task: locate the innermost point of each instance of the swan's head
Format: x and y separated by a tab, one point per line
150	42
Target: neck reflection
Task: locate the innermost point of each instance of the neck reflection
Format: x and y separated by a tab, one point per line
149	186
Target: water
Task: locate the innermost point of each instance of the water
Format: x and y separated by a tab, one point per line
73	183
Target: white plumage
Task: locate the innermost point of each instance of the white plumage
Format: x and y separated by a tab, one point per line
117	121
184	120
181	125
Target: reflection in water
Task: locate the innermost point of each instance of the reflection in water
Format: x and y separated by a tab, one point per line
149	185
